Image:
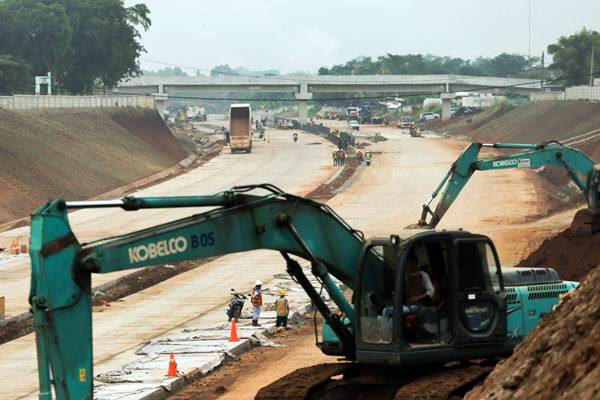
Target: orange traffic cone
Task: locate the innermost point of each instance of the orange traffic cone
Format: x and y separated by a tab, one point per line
172	367
233	337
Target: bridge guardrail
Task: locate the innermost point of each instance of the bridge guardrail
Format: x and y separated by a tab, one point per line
29	102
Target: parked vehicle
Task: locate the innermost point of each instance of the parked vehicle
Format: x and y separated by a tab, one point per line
353	124
353	113
462	111
429	116
236	304
406	122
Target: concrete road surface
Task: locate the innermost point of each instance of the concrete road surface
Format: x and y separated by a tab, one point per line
380	199
294	167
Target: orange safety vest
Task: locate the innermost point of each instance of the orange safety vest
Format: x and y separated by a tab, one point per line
281	307
256	297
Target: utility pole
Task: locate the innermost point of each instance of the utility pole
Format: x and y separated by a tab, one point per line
592	68
529	29
542	81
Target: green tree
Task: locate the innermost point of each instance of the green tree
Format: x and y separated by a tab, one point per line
167	71
15	75
106	43
85	44
572	55
45	33
223	69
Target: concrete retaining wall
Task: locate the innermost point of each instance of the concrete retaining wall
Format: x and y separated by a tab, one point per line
343	139
583	93
571	93
29	102
547	96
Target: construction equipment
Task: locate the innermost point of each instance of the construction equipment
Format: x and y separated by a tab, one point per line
579	167
240	128
469	321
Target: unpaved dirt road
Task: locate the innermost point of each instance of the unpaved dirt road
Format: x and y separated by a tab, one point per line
380	199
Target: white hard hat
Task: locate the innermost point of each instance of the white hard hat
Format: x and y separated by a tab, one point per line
258	282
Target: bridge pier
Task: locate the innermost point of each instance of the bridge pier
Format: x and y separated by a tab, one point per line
160	101
446	104
303	96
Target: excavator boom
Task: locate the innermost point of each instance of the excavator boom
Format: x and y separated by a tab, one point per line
579	167
61	267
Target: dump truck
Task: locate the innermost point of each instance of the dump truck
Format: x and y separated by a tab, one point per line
240	128
478	314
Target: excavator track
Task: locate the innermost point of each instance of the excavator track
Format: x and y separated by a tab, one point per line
333	381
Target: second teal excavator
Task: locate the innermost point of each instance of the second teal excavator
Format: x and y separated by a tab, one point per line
580	168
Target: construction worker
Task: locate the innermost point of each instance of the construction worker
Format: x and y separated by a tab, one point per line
359	157
282	309
256	300
342	157
335	158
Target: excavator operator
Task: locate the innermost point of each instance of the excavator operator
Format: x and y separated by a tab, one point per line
420	290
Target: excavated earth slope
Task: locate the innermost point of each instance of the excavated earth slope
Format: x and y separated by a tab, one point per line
573	253
560	359
77	154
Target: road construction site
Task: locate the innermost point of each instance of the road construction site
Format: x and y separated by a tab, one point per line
514	208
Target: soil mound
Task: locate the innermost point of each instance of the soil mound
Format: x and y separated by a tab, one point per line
573	253
75	153
560	359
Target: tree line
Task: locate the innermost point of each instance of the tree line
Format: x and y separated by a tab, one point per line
85	44
571	63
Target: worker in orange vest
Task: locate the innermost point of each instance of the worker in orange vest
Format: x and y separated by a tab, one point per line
282	309
256	300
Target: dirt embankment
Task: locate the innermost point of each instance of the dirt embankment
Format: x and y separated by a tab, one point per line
77	154
573	253
560	359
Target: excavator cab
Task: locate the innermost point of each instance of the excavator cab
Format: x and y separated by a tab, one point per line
465	313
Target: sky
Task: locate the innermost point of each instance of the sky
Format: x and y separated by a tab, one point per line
303	35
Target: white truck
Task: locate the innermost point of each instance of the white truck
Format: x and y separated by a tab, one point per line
240	128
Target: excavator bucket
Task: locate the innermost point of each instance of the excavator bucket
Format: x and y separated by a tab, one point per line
585	223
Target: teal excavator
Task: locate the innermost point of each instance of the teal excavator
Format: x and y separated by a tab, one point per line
481	312
580	168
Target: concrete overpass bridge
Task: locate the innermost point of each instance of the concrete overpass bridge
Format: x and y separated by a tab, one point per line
303	87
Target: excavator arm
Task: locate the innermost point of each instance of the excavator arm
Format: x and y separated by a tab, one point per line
61	267
579	167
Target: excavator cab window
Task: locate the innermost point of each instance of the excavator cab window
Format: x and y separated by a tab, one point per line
479	304
377	296
424	293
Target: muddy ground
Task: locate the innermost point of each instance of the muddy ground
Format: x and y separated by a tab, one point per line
237	378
